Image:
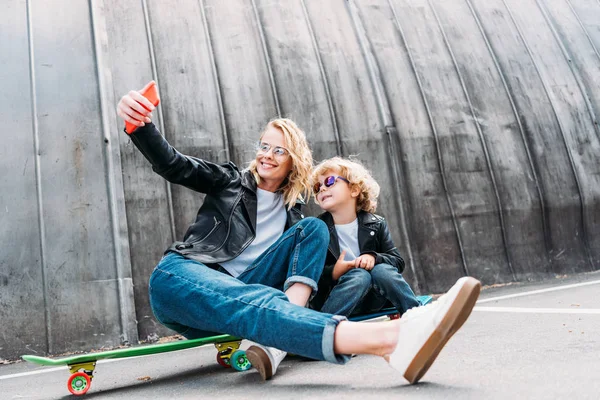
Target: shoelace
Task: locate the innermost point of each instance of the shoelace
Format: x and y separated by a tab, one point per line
416	311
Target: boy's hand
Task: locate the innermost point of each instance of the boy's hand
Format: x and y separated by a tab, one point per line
341	266
366	261
135	108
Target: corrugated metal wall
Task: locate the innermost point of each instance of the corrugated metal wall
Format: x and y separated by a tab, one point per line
478	118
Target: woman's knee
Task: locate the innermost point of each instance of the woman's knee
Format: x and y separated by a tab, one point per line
315	226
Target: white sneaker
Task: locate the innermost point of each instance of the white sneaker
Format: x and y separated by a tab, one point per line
265	359
425	330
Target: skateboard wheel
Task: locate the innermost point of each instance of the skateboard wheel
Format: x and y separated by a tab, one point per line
239	361
223	361
395	316
79	383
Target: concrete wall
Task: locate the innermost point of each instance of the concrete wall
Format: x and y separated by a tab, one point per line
477	117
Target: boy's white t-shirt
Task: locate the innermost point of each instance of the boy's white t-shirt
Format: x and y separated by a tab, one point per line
270	223
348	239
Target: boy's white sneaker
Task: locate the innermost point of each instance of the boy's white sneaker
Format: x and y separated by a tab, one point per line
425	330
265	359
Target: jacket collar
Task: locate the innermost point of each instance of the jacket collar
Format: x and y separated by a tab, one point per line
367	223
364	219
248	181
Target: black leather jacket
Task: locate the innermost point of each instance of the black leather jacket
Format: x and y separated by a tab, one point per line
226	222
373	238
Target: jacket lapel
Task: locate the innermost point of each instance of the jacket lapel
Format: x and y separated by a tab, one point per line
367	231
249	197
334	243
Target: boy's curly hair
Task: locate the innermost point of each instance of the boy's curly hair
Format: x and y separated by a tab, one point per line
358	176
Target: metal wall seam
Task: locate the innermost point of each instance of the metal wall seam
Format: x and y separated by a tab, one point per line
562	132
215	73
38	176
547	238
263	42
583	27
436	139
563	48
383	106
118	215
160	114
482	139
324	79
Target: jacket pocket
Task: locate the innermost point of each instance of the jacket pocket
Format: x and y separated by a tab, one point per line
214	228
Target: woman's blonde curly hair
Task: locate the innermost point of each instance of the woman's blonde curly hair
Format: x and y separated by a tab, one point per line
297	184
358	176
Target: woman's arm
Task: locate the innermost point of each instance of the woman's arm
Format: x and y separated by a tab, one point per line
194	173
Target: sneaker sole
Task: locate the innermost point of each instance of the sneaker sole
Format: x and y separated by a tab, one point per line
260	360
456	316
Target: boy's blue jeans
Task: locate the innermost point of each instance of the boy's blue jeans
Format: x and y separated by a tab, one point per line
197	301
362	291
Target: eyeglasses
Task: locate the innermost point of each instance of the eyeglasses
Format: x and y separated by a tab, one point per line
279	152
328	182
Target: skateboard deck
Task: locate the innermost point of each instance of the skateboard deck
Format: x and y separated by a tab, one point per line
229	355
82	365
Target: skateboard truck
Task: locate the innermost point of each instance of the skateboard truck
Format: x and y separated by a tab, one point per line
224	352
81	377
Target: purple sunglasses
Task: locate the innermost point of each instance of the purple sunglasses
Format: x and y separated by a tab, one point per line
328	182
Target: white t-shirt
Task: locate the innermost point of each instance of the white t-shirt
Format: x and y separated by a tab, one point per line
348	238
270	223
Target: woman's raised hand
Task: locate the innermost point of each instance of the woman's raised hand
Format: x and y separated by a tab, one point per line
135	108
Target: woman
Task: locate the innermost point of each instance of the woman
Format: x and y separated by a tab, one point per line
250	262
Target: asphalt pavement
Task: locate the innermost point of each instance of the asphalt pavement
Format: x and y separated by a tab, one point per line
523	341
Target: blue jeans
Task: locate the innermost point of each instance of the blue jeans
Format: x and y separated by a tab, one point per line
197	301
387	286
348	293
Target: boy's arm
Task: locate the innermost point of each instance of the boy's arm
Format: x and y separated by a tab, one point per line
194	173
333	272
388	253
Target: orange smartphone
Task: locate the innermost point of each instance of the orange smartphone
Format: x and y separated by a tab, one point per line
151	93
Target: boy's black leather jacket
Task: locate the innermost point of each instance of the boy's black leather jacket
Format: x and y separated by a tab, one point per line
373	238
226	222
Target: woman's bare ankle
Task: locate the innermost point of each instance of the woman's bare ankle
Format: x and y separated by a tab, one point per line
388	338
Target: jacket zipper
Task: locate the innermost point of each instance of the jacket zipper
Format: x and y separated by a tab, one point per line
217	223
229	224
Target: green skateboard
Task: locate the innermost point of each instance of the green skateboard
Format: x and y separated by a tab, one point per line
82	366
228	353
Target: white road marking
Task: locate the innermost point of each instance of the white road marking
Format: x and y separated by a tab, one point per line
539	310
553	289
39	371
65	368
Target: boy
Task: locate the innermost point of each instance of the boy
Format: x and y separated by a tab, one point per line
363	267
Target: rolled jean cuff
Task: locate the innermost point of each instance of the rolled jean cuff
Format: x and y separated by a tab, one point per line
301	279
328	338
